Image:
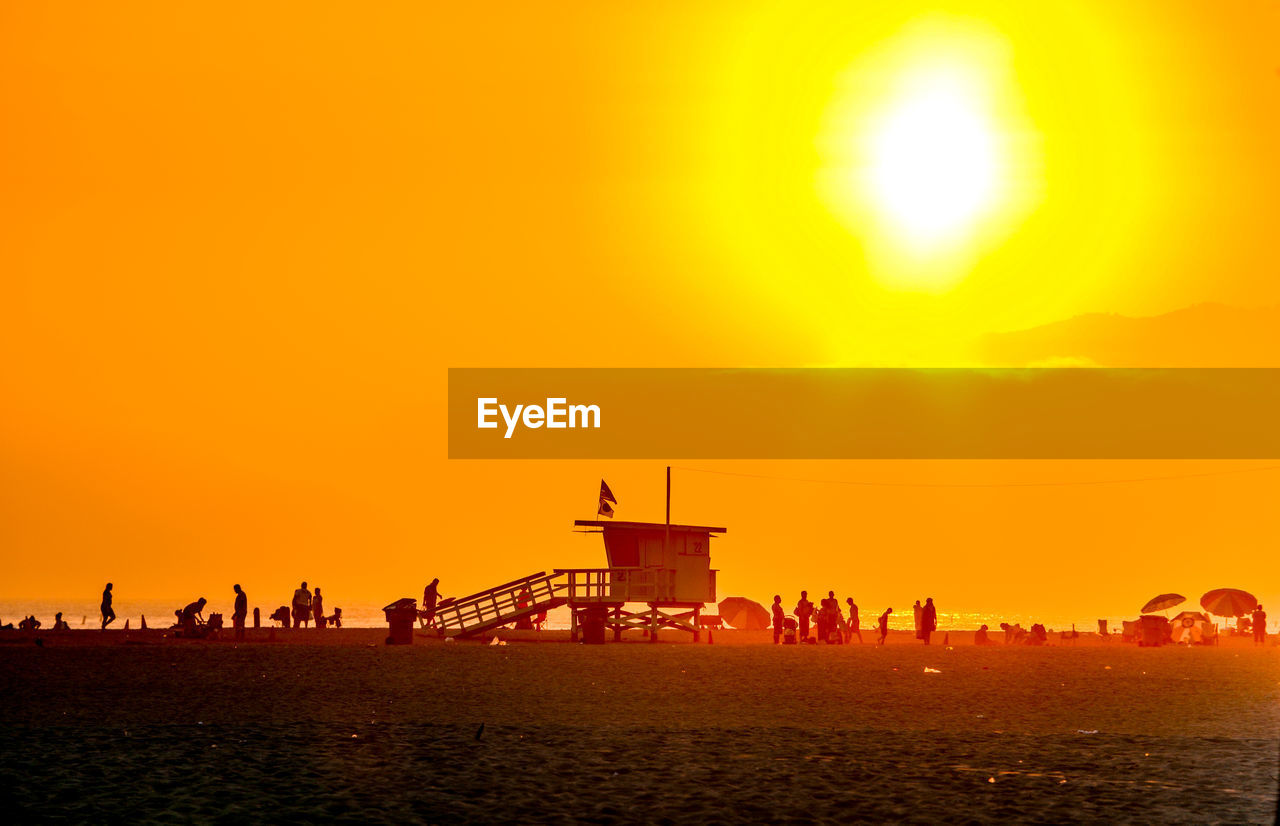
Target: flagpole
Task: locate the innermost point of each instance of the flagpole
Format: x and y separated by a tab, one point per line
666	540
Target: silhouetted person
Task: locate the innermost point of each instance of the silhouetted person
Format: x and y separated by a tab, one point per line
108	613
928	620
779	619
884	626
804	610
430	598
187	619
525	600
981	637
301	606
855	625
918	614
240	611
1259	626
829	617
58	624
317	608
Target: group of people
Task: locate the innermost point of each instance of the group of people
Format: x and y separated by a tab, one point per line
307	607
833	626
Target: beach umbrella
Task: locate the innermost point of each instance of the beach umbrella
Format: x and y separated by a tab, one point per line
744	614
1163	602
1194	616
1228	602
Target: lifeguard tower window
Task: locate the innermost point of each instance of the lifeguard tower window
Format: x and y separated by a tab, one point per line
626	552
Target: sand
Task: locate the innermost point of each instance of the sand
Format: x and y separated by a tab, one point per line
142	727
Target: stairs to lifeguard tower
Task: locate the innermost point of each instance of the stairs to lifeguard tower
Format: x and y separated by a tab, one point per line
503	604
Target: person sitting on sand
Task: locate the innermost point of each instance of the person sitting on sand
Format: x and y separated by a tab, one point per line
1038	635
59	624
108	614
29	624
981	637
335	619
854	624
281	615
804	610
190	615
301	606
317	608
884	626
240	611
1013	634
779	618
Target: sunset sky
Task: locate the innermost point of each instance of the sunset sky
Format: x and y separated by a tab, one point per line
241	243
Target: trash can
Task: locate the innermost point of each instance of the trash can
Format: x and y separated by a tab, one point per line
401	615
593	620
1155	630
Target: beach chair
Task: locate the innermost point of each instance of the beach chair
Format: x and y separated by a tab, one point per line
1131	631
1102	630
714	621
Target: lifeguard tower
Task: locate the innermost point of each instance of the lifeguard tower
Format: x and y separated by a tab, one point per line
657	575
665	567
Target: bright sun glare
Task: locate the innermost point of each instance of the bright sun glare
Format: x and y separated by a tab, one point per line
932	162
927	155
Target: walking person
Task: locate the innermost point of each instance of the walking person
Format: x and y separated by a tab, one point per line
917	611
1259	626
108	613
804	610
317	608
884	626
430	599
854	627
239	613
928	620
301	606
779	619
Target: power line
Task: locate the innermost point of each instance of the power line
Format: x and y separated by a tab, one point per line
866	484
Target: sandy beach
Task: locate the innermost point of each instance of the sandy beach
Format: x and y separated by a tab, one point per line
339	727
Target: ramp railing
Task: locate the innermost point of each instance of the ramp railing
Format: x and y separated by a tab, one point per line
500	605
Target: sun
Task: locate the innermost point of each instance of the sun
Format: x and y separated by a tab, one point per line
926	153
932	162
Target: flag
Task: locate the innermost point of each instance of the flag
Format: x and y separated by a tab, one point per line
606	496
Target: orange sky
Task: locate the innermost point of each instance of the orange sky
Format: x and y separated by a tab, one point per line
240	244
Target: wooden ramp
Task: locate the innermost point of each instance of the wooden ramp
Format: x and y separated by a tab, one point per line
579	588
504	604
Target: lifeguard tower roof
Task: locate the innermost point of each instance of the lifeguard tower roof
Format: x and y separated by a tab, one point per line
645	526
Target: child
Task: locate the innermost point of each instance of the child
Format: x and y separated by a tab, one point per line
884	625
